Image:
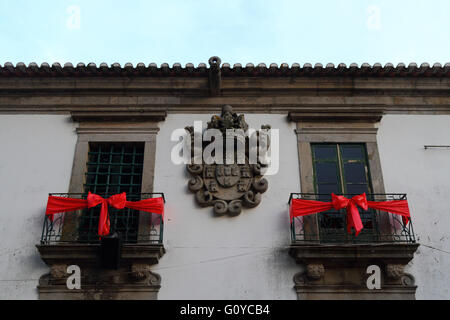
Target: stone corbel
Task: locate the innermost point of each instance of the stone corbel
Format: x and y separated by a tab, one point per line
140	273
396	273
315	271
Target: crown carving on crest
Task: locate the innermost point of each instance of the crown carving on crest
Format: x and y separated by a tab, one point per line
228	120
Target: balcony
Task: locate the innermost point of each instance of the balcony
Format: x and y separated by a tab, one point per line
134	227
72	239
330	226
335	262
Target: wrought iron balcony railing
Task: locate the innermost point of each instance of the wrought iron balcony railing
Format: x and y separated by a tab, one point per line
330	226
81	226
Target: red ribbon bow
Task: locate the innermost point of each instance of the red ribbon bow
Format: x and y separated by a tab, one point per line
301	207
118	201
353	217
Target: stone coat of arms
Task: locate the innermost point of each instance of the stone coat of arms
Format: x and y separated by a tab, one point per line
227	187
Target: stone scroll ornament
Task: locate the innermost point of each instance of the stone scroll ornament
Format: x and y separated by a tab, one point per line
228	187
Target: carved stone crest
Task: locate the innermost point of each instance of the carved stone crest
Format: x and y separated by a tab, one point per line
228	186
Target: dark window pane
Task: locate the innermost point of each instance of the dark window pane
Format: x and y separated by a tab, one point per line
127	159
355	172
324	151
331	220
139	158
326	172
352	152
137	169
116	158
357	188
107	176
327	189
114	179
349	171
93	156
101	179
126	180
127	169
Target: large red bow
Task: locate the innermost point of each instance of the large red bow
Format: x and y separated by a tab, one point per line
118	201
301	207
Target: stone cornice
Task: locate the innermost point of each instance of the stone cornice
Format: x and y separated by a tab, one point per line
337	116
149	95
185	86
118	116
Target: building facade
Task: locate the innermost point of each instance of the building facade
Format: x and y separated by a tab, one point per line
379	130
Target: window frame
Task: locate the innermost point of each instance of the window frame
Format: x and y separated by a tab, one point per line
125	221
340	234
340	162
120	132
314	132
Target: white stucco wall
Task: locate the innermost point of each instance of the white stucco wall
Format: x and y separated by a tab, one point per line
242	257
36	158
425	176
207	257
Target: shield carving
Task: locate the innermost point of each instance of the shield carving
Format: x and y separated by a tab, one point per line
227	187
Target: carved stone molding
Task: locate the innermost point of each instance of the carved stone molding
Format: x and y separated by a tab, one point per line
227	187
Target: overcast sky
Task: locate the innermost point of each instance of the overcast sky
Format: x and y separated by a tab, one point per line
235	30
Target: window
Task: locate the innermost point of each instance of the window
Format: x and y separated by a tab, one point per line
341	169
113	168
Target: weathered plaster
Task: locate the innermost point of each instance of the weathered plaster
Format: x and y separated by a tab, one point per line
36	159
425	176
242	257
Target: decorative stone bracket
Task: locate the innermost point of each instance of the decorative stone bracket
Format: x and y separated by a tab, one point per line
340	271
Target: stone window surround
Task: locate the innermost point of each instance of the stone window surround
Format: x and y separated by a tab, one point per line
337	132
114	132
134	279
326	276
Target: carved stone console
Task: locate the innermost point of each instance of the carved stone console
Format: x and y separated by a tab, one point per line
133	280
340	271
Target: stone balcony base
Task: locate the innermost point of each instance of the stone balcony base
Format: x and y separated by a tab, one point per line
339	271
133	280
